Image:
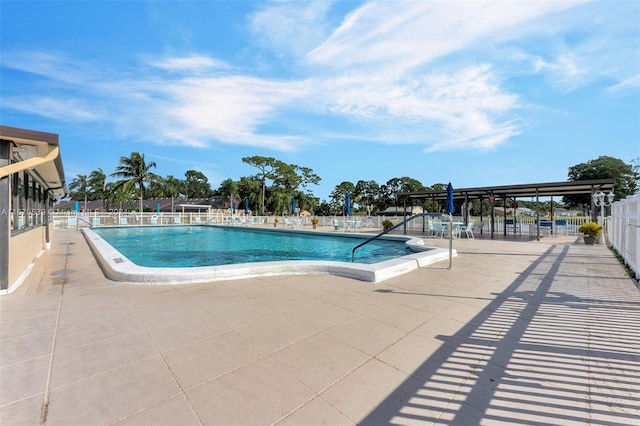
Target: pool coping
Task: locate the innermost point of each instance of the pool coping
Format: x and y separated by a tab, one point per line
118	267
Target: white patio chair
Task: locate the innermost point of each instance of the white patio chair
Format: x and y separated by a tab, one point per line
468	230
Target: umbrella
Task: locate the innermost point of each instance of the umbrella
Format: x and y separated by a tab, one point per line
233	208
293	206
347	202
450	208
158	207
246	207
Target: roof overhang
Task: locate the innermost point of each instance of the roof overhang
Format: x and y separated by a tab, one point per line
194	206
39	151
549	189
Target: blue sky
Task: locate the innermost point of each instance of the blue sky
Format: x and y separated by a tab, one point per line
476	93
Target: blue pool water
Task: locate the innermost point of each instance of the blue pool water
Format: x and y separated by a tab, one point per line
191	246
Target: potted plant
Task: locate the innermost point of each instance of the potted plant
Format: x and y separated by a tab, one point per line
275	221
314	222
590	231
387	224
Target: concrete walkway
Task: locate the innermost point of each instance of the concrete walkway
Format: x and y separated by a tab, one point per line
520	332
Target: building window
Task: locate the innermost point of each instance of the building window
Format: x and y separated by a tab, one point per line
27	201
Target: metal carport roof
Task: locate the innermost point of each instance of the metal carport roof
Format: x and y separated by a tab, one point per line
548	189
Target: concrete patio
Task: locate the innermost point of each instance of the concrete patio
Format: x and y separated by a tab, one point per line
518	332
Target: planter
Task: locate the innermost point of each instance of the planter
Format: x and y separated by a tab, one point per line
314	226
589	240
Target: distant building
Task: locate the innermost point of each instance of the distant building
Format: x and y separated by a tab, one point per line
399	211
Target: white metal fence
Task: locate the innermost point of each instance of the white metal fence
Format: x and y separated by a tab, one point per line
523	225
624	230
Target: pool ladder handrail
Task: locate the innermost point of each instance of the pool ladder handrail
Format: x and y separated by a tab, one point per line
79	219
409	219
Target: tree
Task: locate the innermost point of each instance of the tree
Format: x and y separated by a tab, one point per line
249	189
229	190
79	188
119	194
603	167
338	195
173	187
97	182
280	201
196	185
393	186
286	178
136	172
365	194
266	166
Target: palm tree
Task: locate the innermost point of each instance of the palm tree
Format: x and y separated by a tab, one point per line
136	172
172	187
97	183
80	188
229	190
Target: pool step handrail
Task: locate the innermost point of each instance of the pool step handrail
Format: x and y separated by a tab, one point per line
79	219
409	219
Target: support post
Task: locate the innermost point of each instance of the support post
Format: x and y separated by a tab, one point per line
5	213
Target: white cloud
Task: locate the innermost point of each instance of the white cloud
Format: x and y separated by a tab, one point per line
629	86
409	34
193	63
290	27
73	110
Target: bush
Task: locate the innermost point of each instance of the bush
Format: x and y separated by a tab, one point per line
590	229
387	224
314	221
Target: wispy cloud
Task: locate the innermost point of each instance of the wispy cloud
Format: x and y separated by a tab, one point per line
290	28
629	86
193	63
72	110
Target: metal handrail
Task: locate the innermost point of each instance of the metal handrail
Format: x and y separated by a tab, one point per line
353	252
78	219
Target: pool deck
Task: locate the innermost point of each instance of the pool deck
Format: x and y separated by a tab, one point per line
527	332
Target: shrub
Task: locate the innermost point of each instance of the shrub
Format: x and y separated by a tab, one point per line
590	229
387	224
314	220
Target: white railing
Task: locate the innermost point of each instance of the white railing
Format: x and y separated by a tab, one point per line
69	220
624	230
524	224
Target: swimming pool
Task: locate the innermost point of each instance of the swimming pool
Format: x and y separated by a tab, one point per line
192	246
193	254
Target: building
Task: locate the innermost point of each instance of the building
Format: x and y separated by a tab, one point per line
400	211
31	177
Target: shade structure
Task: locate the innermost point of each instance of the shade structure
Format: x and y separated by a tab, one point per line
450	208
246	206
293	206
233	208
347	204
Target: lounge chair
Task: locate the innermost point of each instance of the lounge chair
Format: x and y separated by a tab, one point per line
123	221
